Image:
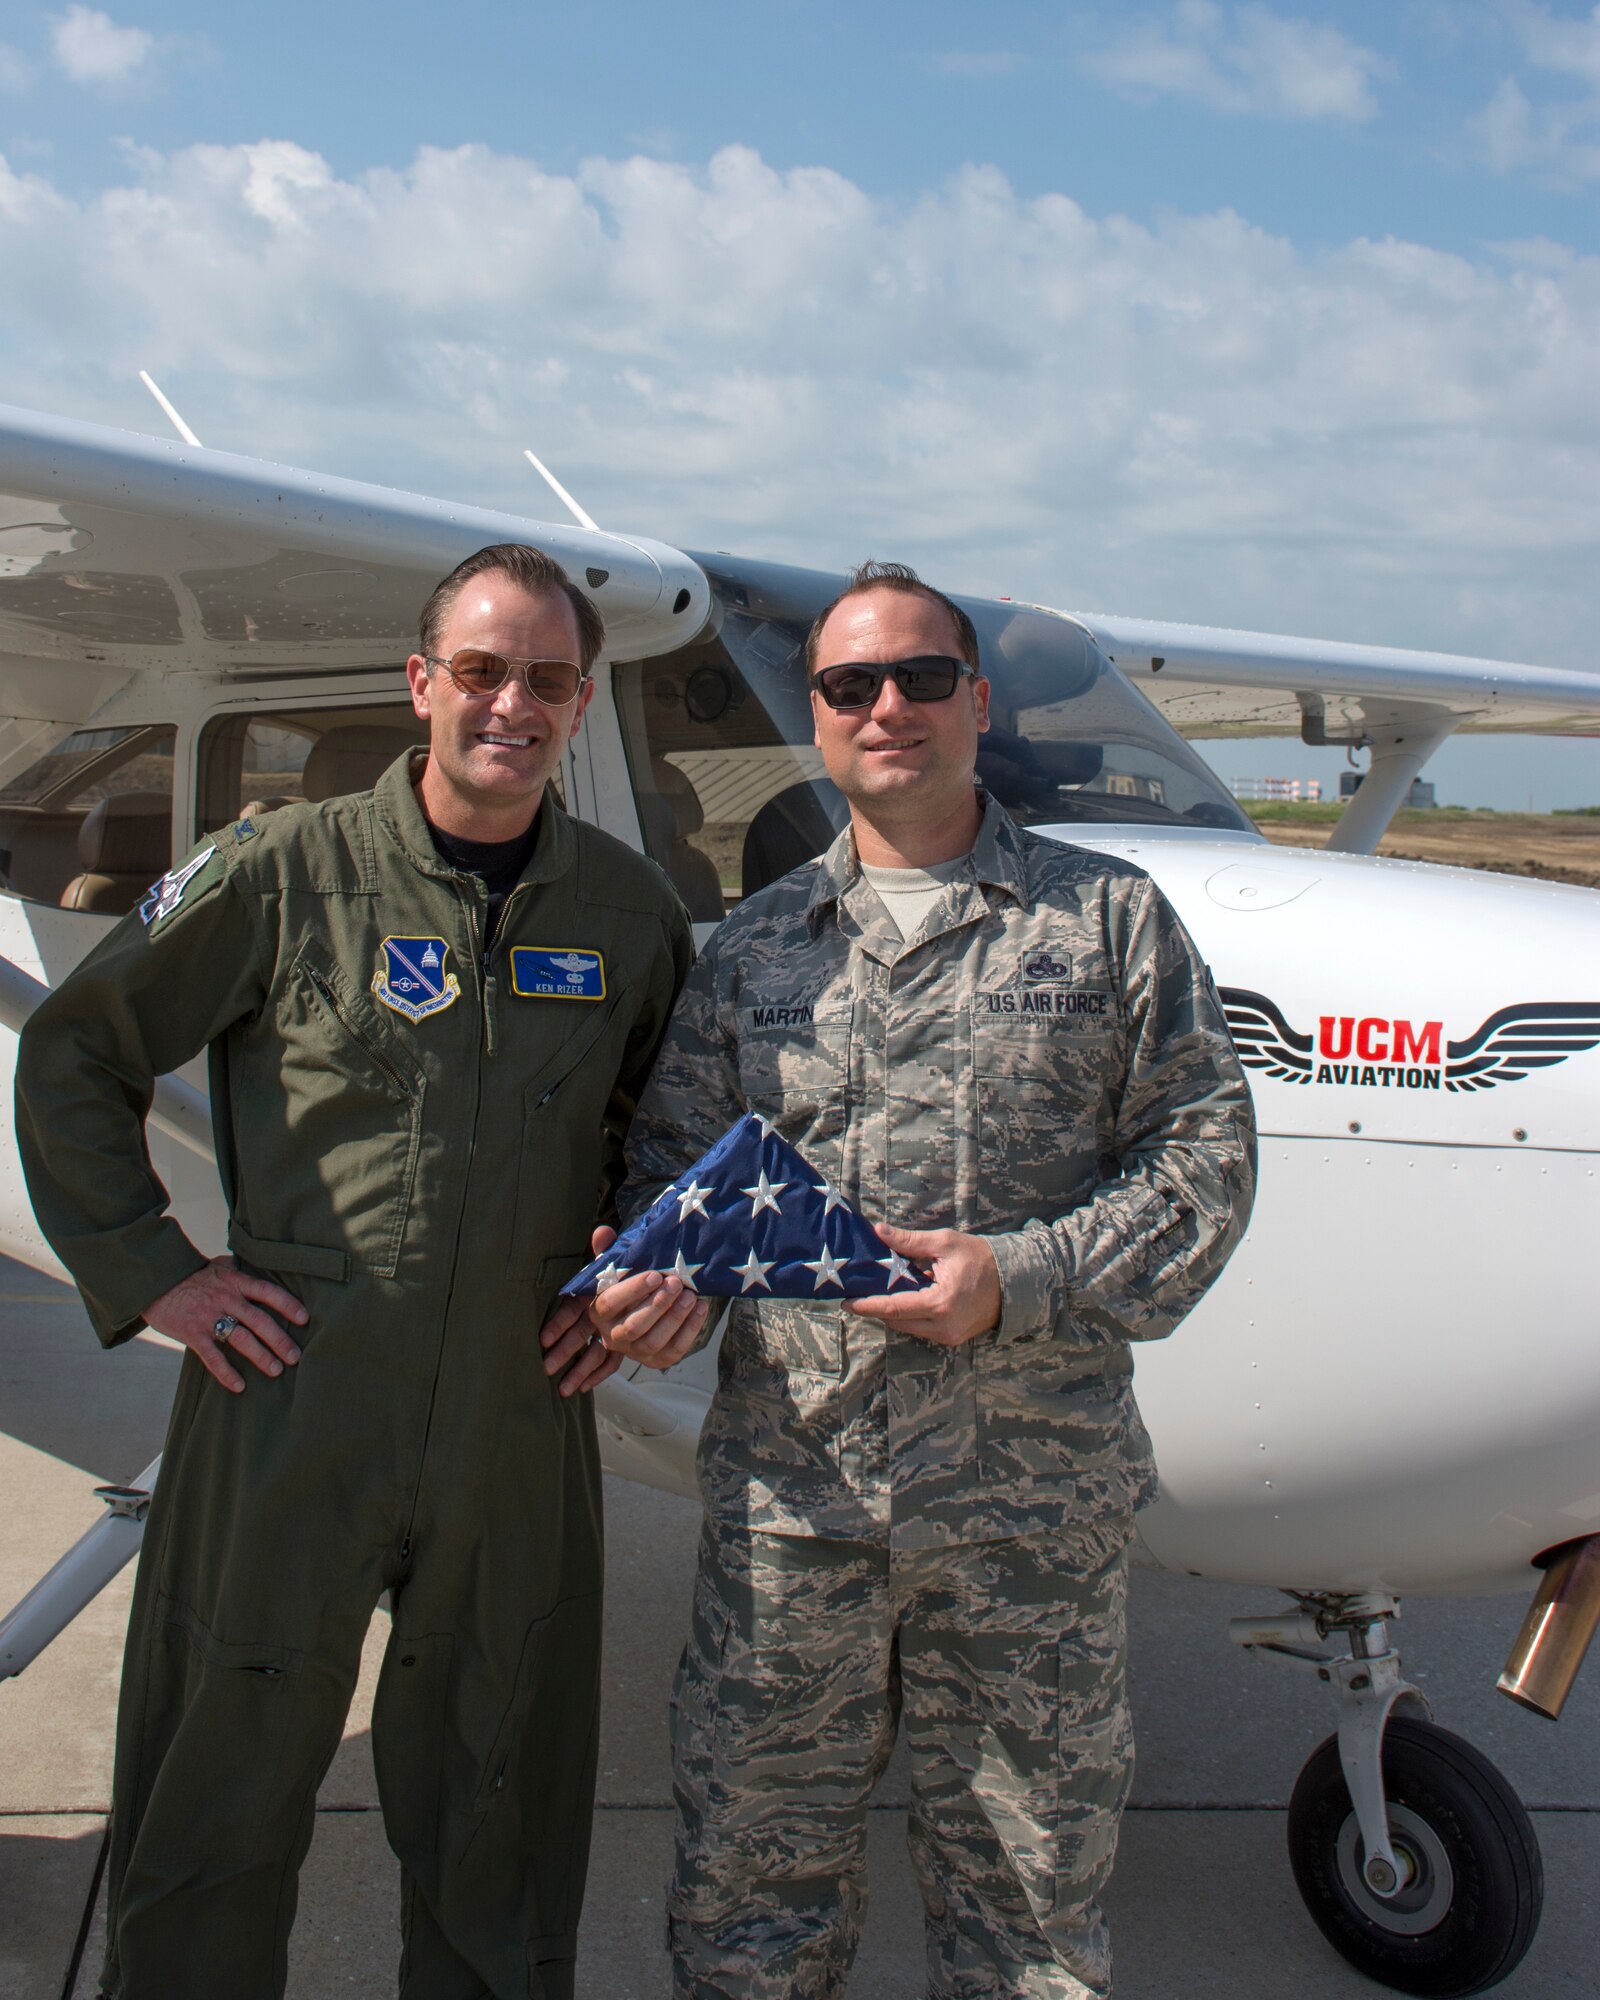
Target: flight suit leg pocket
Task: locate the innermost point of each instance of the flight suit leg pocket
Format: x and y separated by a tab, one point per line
240	1739
410	1719
534	1796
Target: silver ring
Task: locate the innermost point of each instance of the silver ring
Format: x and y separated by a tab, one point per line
224	1328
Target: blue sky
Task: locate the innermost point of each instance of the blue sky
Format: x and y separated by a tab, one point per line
1271	316
1129	109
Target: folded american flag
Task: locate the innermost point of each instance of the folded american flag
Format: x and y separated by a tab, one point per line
751	1216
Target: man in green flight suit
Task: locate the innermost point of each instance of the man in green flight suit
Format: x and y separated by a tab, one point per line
430	1009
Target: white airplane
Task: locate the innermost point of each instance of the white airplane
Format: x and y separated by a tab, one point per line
1395	1387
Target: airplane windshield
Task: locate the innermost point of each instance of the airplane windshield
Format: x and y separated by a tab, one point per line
732	792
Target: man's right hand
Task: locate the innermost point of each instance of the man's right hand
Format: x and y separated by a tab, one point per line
651	1317
190	1311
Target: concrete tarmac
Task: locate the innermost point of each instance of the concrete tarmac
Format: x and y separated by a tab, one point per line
1202	1903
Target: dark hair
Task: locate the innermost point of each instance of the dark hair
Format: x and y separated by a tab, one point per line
535	572
894	576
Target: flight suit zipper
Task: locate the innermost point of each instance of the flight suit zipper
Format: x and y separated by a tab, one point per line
477	958
491	985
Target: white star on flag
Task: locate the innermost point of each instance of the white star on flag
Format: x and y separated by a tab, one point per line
827	1268
897	1267
611	1275
685	1270
754	1272
832	1198
692	1201
763	1195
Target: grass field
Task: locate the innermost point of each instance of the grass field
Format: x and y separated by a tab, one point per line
1552	847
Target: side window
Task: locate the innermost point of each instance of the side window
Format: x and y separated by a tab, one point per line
731	789
254	763
89	826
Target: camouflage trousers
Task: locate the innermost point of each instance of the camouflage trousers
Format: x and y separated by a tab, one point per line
1005	1660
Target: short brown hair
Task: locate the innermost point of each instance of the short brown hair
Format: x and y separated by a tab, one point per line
535	572
895	576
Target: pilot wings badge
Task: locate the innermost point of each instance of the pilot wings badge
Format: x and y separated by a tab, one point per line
412	978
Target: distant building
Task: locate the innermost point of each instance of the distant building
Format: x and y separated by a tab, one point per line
1420	794
1308	790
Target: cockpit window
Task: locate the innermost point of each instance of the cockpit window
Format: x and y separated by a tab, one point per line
89	826
732	792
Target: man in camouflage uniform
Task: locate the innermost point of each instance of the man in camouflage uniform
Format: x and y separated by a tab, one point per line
920	1505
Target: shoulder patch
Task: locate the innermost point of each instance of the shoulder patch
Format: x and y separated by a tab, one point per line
192	879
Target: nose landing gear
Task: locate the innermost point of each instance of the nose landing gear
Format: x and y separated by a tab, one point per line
1414	1856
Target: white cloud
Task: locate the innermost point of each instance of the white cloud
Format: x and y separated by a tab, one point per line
1244	59
1560	43
92	49
1552	133
1192	419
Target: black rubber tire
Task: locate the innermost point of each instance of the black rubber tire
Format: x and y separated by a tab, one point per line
1463	1925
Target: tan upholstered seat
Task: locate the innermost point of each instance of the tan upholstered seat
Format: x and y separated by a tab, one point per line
670	817
353	757
124	845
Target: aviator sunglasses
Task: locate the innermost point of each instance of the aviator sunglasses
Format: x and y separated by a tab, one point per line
856	684
473	671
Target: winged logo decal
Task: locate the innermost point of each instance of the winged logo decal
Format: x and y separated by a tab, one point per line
1519	1039
1264	1038
1514	1041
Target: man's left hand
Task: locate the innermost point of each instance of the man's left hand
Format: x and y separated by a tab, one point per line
571	1340
963	1300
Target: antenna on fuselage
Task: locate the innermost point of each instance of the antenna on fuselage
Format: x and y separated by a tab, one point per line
583	520
173	418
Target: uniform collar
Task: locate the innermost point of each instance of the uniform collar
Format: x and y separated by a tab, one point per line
397	805
996	863
996	860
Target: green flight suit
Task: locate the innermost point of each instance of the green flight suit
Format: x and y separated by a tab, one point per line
417	1145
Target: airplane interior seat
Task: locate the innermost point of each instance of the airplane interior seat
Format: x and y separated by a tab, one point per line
671	814
353	758
1026	774
793	827
257	808
124	844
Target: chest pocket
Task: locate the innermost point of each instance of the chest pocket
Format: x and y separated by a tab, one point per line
567	1145
1045	1087
794	1065
352	1109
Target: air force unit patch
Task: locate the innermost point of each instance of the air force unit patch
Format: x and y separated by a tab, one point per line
412	978
539	973
167	894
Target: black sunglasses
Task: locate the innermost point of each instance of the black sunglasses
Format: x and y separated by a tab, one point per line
856	684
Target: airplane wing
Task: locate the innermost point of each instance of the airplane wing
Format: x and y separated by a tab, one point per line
121	554
1209	681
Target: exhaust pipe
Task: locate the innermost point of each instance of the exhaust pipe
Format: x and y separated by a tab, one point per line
1555	1635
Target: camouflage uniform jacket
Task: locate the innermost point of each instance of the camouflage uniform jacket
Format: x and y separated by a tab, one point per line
1043	1063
